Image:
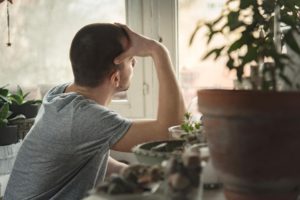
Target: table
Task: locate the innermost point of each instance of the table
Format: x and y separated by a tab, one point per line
215	194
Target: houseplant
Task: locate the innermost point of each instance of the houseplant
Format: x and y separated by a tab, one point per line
8	133
23	111
253	134
28	108
190	130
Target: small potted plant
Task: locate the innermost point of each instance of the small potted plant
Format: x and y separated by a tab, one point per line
28	108
8	133
253	130
190	130
23	111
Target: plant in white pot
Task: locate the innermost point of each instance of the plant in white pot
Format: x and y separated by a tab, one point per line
190	130
253	134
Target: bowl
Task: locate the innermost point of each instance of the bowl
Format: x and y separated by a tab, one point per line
152	153
177	132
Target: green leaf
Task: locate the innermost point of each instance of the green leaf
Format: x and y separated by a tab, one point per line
19	91
213	51
240	72
4	99
230	63
4	112
216	51
197	125
4	92
194	34
217	20
187	116
34	101
17	98
185	127
210	37
25	95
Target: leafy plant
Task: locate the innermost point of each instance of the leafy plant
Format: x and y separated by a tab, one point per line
4	115
255	26
4	96
189	125
20	97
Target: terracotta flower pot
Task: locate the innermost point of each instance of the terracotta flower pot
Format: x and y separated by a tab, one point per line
254	142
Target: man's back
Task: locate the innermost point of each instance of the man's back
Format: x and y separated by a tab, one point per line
65	154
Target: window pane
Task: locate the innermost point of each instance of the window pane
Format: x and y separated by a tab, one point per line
194	72
41	34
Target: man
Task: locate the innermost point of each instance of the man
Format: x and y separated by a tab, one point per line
66	153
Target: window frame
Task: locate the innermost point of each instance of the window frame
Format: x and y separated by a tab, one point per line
149	17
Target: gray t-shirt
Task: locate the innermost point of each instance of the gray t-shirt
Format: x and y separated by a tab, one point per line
66	151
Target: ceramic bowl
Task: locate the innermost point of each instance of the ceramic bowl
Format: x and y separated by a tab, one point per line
146	153
176	132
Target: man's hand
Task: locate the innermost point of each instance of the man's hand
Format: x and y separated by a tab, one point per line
114	166
138	45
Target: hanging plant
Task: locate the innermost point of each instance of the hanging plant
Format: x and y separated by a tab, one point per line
8	20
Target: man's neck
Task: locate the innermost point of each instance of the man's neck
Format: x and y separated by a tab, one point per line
101	94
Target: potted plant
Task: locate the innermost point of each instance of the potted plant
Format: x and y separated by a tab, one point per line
8	133
23	111
28	108
253	135
190	130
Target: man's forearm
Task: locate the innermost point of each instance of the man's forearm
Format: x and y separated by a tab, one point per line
171	106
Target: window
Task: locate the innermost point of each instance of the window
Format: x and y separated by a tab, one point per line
194	72
41	34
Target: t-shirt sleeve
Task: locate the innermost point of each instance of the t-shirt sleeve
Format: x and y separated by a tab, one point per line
96	125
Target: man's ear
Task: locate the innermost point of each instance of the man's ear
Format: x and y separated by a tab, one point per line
115	78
